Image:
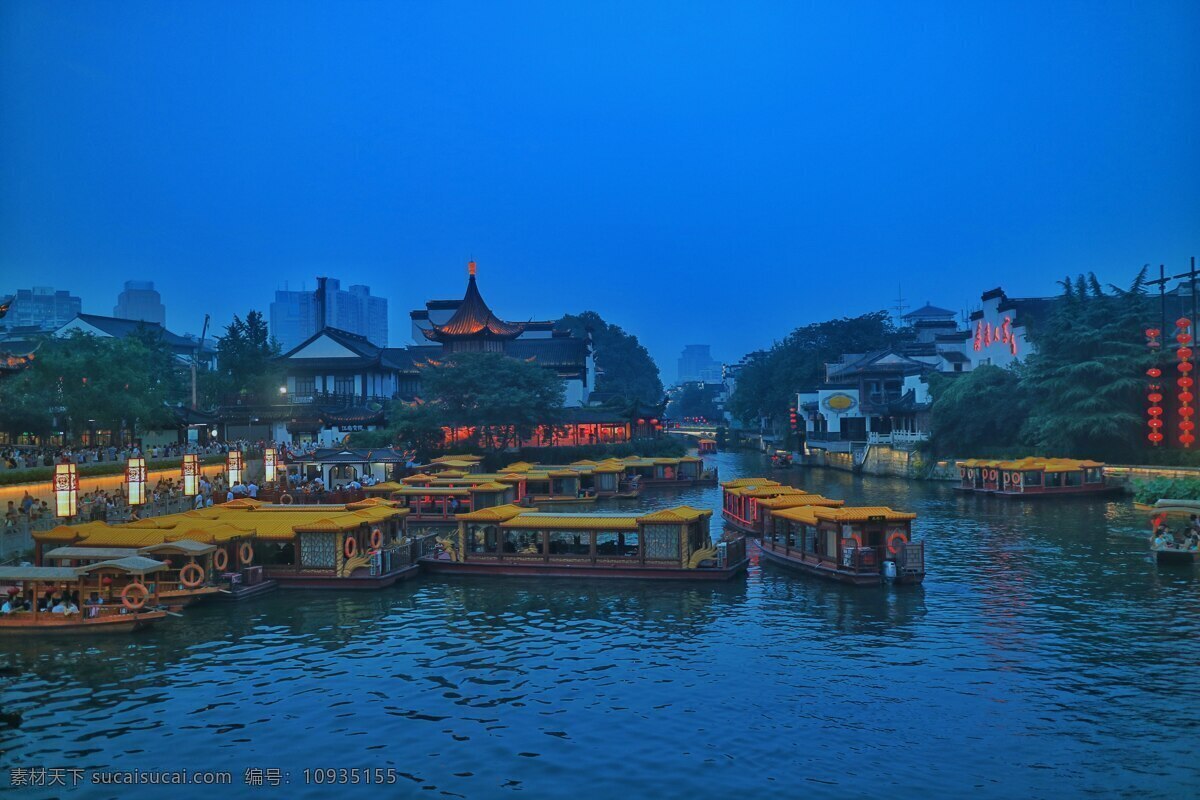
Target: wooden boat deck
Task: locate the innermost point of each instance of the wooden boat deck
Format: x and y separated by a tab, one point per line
24	624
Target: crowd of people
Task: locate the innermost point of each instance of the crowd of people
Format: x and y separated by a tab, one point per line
1188	538
29	457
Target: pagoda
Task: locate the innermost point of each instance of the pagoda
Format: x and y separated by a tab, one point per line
473	328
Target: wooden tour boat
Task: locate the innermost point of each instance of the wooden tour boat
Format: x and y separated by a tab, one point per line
1029	478
747	502
111	596
223	554
1174	548
859	546
516	541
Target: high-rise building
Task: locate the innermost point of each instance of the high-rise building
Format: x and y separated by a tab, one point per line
697	364
141	302
42	307
297	315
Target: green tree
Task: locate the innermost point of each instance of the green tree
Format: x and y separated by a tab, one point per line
974	412
499	400
82	381
693	400
624	369
246	361
767	384
1085	385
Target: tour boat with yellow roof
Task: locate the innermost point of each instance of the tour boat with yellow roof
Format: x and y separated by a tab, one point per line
746	502
361	545
1033	477
514	540
862	546
109	596
206	556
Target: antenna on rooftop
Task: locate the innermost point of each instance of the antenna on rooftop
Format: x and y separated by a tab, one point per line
900	304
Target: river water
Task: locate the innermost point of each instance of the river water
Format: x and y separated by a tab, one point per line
1046	656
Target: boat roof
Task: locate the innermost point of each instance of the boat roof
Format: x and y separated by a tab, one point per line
496	513
1033	463
814	514
101	553
134	565
801	499
1168	506
605	521
739	482
587	522
38	574
184	546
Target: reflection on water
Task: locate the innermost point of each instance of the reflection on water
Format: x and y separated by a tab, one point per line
1045	655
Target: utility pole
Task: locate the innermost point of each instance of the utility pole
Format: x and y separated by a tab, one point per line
196	358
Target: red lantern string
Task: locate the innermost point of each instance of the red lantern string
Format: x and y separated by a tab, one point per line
1155	411
1184	353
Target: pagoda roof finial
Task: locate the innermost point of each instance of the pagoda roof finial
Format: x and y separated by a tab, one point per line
471	268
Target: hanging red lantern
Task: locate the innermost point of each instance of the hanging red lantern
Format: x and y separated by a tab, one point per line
1154	397
1184	354
1155	437
1154	372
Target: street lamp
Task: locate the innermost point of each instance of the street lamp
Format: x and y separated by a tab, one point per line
66	490
191	474
270	459
233	463
135	478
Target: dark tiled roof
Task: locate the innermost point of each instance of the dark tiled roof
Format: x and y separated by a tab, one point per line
382	455
928	310
553	352
954	357
120	328
351	341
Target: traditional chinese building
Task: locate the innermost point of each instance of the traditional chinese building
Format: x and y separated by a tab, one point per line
338	382
999	327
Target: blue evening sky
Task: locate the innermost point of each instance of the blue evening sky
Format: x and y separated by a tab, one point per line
695	172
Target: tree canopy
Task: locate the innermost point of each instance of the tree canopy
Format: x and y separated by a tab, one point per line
84	381
1080	394
246	363
767	384
499	400
625	371
693	400
978	411
1085	384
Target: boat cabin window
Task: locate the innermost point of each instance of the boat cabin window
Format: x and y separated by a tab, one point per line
1054	480
522	542
795	534
662	541
481	539
810	539
624	545
1032	477
570	543
1093	475
696	538
1074	478
829	544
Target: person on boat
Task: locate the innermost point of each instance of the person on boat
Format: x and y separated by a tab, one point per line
71	608
59	607
7	608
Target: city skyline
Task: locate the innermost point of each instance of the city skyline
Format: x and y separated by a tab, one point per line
637	182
